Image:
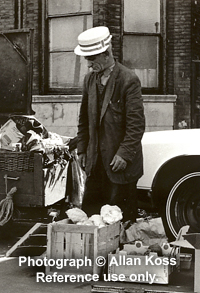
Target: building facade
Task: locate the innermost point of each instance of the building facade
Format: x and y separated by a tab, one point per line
158	39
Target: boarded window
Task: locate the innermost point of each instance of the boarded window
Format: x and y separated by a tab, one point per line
66	20
141	39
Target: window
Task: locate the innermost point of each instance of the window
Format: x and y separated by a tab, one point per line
66	19
141	40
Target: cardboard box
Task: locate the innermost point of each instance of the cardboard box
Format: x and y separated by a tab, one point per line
142	268
9	135
194	240
80	242
185	261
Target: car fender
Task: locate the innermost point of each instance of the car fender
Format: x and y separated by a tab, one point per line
162	147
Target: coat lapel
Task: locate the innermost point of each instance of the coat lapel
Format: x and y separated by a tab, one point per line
93	101
109	90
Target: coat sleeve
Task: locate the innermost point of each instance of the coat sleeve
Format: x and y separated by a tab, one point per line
134	120
83	126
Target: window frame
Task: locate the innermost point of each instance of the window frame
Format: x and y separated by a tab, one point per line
44	53
161	40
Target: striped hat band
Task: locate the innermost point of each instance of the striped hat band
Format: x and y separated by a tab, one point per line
96	46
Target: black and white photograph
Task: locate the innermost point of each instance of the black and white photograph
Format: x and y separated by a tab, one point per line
100	146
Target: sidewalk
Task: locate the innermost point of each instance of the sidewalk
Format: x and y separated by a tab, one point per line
15	279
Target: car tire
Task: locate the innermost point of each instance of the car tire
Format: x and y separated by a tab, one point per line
183	205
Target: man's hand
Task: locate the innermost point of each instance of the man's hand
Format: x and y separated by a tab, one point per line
118	163
82	160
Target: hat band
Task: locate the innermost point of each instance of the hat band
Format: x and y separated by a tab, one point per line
96	46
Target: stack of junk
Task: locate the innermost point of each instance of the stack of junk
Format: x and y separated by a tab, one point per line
35	164
35	167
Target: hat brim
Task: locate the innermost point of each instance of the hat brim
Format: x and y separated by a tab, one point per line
78	51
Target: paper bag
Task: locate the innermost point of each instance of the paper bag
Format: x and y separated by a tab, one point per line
148	231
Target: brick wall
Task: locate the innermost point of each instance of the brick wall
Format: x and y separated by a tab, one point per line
7	15
8	21
108	13
179	56
99	12
113	21
196	29
31	20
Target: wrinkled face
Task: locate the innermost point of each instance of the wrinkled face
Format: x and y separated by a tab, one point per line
97	62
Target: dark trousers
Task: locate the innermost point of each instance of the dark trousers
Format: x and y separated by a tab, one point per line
99	190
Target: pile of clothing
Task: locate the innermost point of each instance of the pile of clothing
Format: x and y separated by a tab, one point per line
28	134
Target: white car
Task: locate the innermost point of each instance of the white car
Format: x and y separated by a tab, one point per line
171	180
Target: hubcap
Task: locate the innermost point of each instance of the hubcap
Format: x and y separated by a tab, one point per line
183	204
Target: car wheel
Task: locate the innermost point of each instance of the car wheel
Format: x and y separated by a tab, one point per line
183	204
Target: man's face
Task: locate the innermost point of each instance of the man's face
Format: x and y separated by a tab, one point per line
97	62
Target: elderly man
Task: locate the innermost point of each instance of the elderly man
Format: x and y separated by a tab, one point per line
111	126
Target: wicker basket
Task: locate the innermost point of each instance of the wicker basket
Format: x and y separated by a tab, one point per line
16	161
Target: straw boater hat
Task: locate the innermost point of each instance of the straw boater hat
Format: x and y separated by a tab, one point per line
93	41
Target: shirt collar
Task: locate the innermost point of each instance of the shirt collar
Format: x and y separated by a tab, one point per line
108	70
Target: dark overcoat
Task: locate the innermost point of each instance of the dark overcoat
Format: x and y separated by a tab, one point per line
120	127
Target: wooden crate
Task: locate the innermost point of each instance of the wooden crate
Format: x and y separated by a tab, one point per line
70	241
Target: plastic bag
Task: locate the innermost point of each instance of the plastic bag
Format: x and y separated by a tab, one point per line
77	181
148	231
